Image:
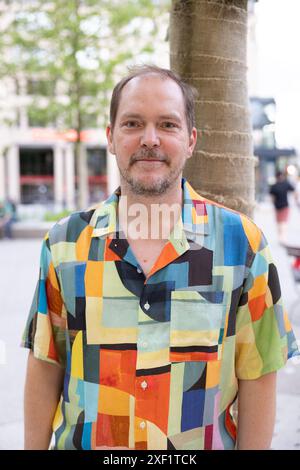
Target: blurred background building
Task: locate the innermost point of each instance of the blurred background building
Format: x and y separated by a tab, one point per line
37	164
271	157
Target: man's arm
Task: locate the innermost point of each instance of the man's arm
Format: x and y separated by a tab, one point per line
256	415
43	386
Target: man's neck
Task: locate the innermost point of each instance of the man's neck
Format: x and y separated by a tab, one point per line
149	217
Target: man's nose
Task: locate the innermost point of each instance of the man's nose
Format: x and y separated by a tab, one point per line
150	137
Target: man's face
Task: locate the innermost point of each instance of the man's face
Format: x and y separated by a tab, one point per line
150	138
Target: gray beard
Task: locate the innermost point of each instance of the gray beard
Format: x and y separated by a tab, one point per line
161	186
140	189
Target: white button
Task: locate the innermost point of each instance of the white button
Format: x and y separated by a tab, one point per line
144	344
144	385
142	425
146	306
139	270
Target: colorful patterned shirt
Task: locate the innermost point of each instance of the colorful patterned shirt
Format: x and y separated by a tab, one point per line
152	362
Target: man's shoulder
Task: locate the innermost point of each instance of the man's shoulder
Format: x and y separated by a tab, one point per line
233	220
227	213
70	228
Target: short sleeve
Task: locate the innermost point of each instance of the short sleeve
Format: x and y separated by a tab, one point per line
264	336
45	330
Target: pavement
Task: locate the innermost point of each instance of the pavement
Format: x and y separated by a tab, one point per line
19	260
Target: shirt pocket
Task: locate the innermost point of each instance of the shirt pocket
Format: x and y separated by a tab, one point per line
196	327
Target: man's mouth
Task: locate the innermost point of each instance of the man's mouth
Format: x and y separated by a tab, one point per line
149	160
147	156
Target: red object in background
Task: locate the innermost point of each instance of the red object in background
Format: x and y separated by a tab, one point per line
36	179
41	134
296	263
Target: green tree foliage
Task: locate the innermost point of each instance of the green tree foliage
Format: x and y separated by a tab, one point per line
76	49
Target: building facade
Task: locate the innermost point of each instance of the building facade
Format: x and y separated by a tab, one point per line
37	165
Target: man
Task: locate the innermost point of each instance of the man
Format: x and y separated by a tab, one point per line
146	328
279	192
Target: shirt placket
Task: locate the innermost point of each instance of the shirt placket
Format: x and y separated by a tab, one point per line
141	381
141	389
149	389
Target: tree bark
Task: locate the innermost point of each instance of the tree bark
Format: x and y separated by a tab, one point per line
80	151
82	174
208	41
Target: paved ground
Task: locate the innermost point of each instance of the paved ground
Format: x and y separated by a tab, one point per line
17	281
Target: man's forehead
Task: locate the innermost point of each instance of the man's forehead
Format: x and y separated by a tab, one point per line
154	85
147	78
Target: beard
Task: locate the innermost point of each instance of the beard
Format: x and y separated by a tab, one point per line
152	186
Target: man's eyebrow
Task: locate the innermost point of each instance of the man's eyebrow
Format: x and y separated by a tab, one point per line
173	116
131	116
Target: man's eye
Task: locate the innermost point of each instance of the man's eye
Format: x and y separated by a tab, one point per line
168	125
131	124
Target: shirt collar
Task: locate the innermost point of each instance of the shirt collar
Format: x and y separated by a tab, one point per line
104	219
194	211
194	219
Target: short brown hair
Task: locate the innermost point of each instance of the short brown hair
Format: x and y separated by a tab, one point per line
189	93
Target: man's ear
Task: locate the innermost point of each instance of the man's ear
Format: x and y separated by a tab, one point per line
110	144
192	142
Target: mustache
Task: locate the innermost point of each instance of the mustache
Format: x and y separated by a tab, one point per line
148	154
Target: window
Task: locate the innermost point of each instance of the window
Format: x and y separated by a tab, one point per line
36	168
40	87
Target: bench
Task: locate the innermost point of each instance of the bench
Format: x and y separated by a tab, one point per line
28	229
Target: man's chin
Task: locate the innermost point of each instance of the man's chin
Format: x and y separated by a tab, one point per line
149	187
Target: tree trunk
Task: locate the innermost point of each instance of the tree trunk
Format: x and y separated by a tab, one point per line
208	41
80	150
82	174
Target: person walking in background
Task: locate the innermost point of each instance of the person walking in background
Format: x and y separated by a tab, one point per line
8	215
279	192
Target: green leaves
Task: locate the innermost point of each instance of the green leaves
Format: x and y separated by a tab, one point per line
80	45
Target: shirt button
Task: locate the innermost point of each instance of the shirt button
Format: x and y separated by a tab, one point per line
139	270
142	425
144	385
146	306
144	344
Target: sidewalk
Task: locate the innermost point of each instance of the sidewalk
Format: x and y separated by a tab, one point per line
18	275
